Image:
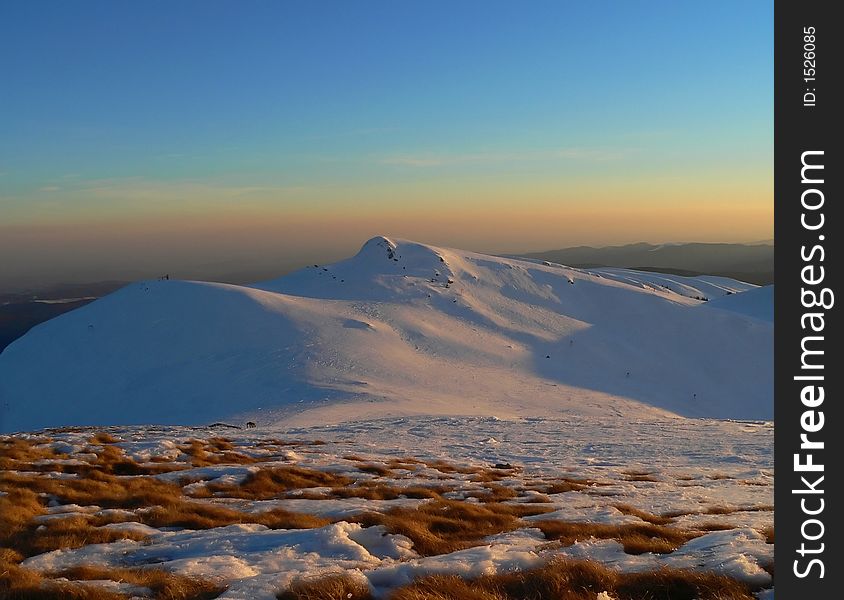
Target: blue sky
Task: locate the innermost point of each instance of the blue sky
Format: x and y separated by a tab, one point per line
116	111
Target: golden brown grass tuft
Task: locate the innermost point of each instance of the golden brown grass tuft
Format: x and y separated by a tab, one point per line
494	493
103	437
220	444
537	499
448	468
20	534
376	490
196	515
443	526
19	453
636	538
162	505
375	469
97	488
406	463
108	459
113	461
577	580
714	526
721	510
17	508
643	514
217	452
330	587
67	532
644	477
19	531
18	583
274	482
452	587
9	555
489	475
768	532
164	585
564	484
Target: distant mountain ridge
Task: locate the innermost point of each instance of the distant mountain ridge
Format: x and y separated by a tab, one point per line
753	262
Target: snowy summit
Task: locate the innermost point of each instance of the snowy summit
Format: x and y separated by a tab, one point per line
402	328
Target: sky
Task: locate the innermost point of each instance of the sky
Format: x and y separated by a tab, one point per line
230	138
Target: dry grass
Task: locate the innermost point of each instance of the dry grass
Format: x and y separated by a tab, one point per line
490	475
27	537
196	515
283	443
376	490
65	533
576	580
164	585
113	461
448	468
557	580
721	510
275	482
494	493
375	469
643	514
97	488
8	555
162	505
714	526
768	532
646	477
406	464
636	538
220	444
20	534
538	499
331	587
103	437
19	454
115	480
17	508
443	526
216	451
564	484
25	456
17	583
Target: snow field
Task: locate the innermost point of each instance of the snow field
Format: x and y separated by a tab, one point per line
714	477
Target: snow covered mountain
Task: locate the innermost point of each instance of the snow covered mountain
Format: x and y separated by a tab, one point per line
401	328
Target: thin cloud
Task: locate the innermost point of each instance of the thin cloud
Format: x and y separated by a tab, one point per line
440	160
140	189
49	188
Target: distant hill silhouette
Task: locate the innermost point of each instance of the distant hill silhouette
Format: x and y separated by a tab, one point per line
753	263
21	311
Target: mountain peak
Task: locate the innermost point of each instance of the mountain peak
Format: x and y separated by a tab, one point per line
380	243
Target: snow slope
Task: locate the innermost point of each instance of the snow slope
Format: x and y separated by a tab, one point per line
757	302
401	328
